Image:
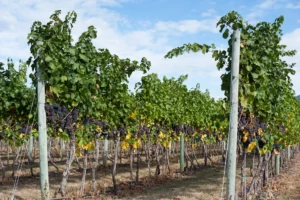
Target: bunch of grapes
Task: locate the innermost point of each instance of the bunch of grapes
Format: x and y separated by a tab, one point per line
177	128
122	131
189	130
144	130
109	134
250	128
89	121
25	129
282	129
112	135
2	135
59	117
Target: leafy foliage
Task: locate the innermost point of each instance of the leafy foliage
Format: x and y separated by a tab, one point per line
264	79
16	100
92	84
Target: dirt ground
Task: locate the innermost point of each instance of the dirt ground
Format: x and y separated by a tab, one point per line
204	183
286	186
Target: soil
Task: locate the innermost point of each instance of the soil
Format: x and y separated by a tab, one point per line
204	183
286	186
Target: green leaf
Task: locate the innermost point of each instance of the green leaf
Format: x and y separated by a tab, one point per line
244	101
72	51
204	49
63	78
52	65
55	90
254	75
83	57
48	58
226	34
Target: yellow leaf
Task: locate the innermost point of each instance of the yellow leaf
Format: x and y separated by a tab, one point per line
165	143
160	135
245	138
98	129
263	151
77	151
74	103
132	116
137	144
124	145
89	146
245	132
251	146
260	132
21	135
128	136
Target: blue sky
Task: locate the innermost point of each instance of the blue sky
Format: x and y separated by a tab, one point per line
150	28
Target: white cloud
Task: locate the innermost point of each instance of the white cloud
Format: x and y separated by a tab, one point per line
108	2
258	12
151	41
292	40
253	17
19	16
200	69
208	13
187	26
293	6
267	4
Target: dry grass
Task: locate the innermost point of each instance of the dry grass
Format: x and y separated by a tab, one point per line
286	186
205	183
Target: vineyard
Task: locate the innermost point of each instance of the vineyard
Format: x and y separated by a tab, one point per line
98	131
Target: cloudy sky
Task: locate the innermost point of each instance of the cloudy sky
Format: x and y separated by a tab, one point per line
150	28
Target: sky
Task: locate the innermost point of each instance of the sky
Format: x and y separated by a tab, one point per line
150	28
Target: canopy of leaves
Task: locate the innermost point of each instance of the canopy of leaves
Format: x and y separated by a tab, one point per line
169	103
15	97
265	86
79	75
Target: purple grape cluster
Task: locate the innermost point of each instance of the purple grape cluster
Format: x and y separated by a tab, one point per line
2	135
252	125
143	130
59	117
25	128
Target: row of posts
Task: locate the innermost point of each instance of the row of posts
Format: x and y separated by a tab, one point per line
277	160
232	140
